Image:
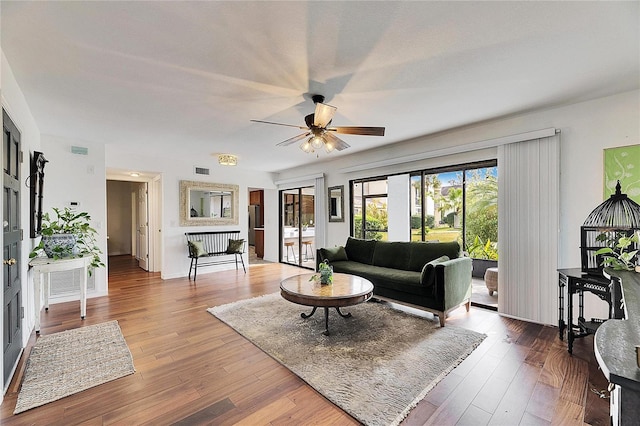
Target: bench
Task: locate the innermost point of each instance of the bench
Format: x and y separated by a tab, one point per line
204	246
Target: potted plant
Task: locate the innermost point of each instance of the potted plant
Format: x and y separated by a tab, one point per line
617	255
326	273
484	255
66	233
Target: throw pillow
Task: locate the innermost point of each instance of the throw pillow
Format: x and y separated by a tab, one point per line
197	248
235	246
428	274
334	254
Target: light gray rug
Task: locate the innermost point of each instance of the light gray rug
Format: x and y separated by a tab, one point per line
71	361
376	365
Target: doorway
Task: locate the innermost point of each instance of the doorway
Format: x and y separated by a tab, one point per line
133	219
256	226
297	229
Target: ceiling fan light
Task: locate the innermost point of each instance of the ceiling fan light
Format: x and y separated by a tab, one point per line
306	146
328	146
317	141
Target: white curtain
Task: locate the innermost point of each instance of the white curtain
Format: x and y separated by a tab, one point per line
321	212
528	225
398	211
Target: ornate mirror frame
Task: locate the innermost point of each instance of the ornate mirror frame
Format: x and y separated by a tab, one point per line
336	203
229	196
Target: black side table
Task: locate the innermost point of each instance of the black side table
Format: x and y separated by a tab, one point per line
578	282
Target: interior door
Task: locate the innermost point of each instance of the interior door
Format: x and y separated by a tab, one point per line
12	306
142	234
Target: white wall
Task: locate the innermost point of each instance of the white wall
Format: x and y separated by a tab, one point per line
14	103
81	179
587	128
174	251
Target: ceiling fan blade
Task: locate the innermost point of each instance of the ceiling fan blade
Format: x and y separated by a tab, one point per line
279	124
337	143
293	139
356	130
323	114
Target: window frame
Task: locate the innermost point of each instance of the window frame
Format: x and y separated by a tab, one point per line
364	198
463	168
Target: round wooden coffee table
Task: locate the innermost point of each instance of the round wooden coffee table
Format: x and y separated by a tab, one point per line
346	290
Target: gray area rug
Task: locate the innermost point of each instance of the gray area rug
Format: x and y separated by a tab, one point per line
376	365
71	361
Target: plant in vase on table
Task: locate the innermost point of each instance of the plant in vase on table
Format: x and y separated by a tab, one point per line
67	233
326	273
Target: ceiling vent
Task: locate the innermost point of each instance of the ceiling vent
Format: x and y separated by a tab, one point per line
201	171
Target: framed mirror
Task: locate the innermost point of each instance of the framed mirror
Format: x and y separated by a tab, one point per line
336	203
206	204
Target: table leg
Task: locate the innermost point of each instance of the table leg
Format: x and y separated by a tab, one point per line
305	316
36	298
561	323
570	319
47	287
581	305
83	293
347	315
326	317
326	321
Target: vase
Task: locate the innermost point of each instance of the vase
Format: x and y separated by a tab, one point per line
59	245
326	275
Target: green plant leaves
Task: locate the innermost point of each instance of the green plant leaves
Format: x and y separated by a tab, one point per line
68	221
616	256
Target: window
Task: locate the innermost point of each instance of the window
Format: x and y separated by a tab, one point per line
456	204
369	202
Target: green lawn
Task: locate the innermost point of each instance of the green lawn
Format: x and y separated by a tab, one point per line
445	234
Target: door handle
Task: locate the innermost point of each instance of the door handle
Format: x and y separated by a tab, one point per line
9	262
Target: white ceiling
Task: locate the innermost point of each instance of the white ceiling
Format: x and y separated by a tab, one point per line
185	78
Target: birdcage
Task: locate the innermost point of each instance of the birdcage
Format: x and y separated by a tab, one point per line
616	217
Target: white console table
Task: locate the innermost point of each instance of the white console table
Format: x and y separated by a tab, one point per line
43	266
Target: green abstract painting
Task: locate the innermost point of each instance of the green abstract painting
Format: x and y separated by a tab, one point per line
622	164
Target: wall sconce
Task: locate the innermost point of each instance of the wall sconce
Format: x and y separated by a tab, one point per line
227	159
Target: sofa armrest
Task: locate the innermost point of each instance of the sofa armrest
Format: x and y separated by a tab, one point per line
453	282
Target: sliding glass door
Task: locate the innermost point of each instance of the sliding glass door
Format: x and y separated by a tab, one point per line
297	230
460	204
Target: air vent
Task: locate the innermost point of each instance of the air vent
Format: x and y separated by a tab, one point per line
202	171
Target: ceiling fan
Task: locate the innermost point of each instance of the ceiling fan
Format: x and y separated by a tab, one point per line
318	134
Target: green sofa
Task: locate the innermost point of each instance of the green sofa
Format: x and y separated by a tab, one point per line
431	276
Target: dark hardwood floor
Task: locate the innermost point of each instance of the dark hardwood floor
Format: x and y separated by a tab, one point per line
193	369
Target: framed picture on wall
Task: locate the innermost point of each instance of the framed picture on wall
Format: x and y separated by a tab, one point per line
622	164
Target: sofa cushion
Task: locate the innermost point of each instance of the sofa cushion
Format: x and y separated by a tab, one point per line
405	281
393	255
334	254
360	250
423	252
428	274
